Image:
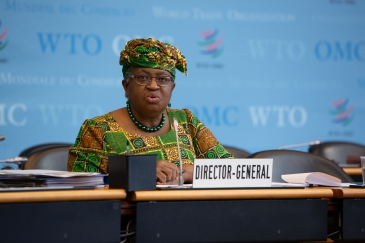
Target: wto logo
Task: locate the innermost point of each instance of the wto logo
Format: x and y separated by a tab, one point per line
2	36
343	113
211	43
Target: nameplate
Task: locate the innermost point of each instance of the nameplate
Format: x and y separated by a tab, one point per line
232	173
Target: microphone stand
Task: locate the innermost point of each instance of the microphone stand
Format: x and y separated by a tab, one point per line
176	128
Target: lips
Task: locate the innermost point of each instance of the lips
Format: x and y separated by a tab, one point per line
152	98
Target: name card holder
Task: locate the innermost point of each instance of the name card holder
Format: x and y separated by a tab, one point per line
132	172
232	173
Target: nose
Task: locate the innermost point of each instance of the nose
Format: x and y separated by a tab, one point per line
153	84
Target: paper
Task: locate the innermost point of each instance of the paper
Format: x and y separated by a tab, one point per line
58	178
314	178
55	173
289	184
174	186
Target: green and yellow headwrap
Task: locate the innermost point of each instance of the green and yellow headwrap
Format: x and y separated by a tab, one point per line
151	53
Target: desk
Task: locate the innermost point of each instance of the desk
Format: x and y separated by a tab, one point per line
207	215
240	215
354	173
352	212
61	216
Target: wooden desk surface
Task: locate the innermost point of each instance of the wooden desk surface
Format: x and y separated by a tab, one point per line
171	195
348	192
353	171
67	195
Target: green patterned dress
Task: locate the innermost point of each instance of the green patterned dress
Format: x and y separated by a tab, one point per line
100	136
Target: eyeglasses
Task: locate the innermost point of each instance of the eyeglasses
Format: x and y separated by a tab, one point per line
145	80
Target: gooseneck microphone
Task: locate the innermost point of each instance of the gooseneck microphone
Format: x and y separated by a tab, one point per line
315	142
16	160
175	125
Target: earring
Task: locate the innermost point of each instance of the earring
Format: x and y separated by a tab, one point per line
169	105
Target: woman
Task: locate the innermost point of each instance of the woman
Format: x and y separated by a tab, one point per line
145	124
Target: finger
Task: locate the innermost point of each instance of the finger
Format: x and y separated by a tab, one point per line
161	177
175	173
168	172
171	171
174	170
159	167
169	166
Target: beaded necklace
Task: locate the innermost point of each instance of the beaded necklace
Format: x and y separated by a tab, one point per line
141	126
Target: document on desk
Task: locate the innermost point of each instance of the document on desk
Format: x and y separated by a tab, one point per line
185	186
313	178
286	184
57	178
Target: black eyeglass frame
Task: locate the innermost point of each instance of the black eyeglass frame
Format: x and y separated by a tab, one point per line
135	77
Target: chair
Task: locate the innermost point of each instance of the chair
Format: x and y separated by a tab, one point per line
338	151
238	153
31	149
51	158
291	162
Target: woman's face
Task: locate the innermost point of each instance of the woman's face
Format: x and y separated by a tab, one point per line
151	98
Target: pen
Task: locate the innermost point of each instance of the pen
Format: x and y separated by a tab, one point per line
183	171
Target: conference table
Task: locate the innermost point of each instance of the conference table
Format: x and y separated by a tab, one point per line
353	171
352	212
61	215
182	215
231	215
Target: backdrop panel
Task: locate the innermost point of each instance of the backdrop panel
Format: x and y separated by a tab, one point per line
261	74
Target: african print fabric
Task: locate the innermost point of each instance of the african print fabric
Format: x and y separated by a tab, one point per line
100	136
151	53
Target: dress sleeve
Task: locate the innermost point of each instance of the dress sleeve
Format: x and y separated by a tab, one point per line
89	153
205	144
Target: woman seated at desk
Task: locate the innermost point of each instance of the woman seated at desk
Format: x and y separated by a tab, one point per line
149	69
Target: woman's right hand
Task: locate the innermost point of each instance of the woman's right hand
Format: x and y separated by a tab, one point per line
166	172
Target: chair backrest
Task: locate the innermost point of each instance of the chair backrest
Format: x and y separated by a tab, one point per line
238	153
337	151
291	162
37	147
54	158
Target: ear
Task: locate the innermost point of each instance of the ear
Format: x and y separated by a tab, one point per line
125	84
173	86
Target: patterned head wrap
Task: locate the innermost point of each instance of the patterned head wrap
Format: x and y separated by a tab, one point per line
151	53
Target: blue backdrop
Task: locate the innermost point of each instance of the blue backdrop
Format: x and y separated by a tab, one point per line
261	73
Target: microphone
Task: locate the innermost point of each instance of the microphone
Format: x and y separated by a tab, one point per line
16	160
175	125
20	161
2	138
315	142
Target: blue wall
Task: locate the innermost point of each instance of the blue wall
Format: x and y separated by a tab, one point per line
262	73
